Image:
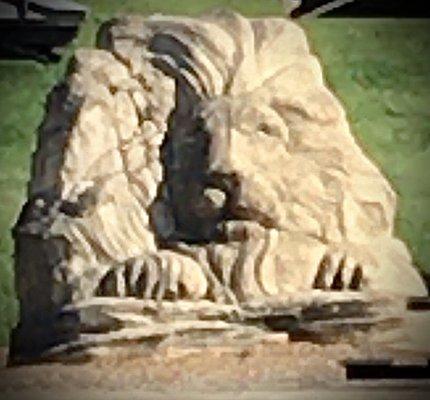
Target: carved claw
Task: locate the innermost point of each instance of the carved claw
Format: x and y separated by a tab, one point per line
172	289
113	283
135	271
150	278
336	272
163	276
120	281
334	266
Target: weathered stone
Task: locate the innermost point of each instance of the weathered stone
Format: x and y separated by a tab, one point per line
201	159
40	258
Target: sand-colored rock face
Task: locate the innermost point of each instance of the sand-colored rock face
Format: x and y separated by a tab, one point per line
209	160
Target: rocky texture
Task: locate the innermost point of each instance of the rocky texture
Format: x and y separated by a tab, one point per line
41	258
187	368
315	317
201	159
274	365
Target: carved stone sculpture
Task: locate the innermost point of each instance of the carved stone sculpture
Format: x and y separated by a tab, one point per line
200	159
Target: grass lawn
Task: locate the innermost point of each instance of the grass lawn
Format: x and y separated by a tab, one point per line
378	68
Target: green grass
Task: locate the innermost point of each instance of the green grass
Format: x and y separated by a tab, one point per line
378	68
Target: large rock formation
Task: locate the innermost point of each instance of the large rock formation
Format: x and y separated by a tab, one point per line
199	159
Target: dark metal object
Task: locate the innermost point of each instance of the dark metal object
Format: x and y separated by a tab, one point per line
385	369
418	303
38	28
367	9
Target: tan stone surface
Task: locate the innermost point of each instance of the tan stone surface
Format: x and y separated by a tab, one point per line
314	204
266	365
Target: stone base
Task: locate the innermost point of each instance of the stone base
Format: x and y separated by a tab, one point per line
317	317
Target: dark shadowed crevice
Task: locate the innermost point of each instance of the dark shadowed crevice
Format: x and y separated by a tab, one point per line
182	211
184	156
